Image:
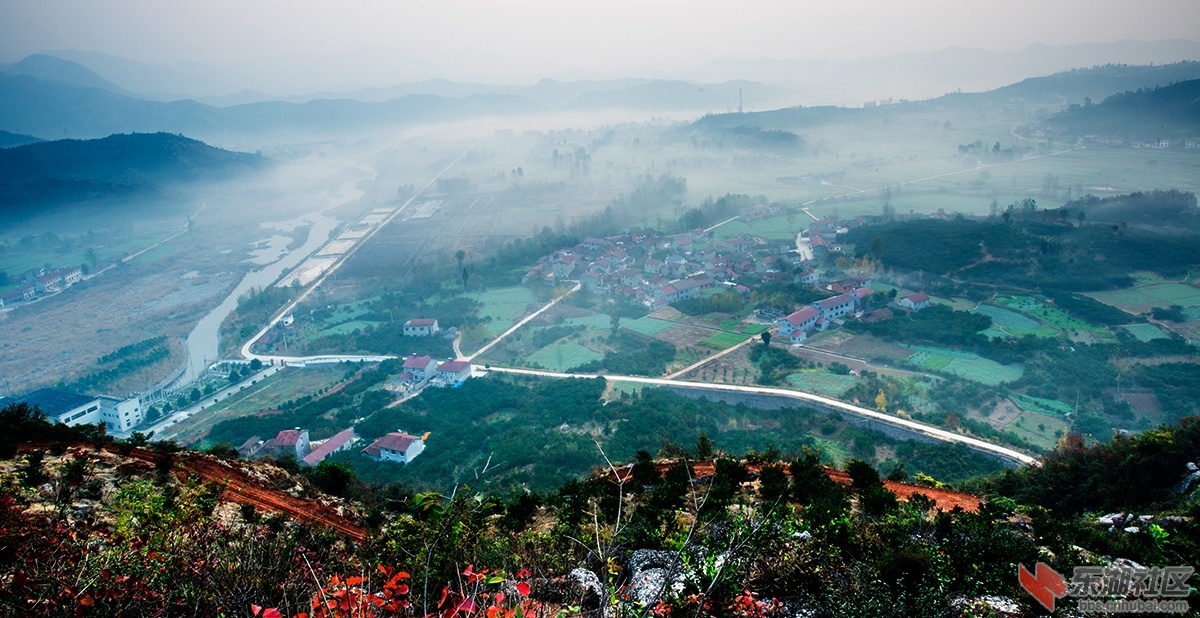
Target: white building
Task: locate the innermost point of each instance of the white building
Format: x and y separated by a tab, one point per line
797	325
420	327
64	407
915	302
121	416
454	371
395	446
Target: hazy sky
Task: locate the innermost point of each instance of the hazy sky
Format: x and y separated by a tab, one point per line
385	41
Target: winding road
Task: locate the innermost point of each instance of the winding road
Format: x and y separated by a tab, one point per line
910	425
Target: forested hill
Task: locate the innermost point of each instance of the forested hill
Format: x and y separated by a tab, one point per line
1165	112
67	170
9	140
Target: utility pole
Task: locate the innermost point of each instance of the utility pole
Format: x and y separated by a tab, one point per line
739	100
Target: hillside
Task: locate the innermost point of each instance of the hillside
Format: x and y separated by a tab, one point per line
697	534
67	170
49	108
9	140
1149	115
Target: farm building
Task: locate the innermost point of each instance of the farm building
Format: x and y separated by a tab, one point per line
420	327
395	446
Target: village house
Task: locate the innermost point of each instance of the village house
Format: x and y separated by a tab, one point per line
453	371
836	306
292	442
915	302
420	327
341	441
49	283
396	446
421	368
797	325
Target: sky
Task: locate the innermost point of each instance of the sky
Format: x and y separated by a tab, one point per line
380	42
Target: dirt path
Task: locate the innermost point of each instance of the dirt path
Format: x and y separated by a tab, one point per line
243	488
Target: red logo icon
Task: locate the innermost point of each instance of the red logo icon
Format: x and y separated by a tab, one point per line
1047	586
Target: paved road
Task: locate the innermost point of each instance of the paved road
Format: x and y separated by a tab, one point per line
922	428
246	353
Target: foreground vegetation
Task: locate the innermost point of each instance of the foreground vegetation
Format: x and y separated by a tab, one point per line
86	531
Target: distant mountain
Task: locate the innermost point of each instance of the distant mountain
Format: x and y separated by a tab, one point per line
678	95
160	82
52	69
118	165
924	75
1055	92
9	140
1167	112
52	109
1079	85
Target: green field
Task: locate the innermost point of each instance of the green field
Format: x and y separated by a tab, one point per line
721	341
770	228
1006	319
1142	299
1048	315
1145	332
1052	407
1041	430
647	326
965	365
346	328
597	321
822	382
505	306
286	385
563	356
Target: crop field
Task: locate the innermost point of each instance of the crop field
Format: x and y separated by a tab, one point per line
1007	319
1041	430
1145	332
286	385
505	306
1142	299
965	365
721	341
597	321
770	228
822	382
1051	407
563	356
1048	315
647	326
346	328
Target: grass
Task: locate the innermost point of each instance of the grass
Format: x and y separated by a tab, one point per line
346	328
1052	407
1145	332
770	228
563	356
965	365
647	326
1048	315
1026	425
822	382
1006	319
1142	299
272	392
505	306
721	341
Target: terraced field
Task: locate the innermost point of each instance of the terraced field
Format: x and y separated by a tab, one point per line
965	365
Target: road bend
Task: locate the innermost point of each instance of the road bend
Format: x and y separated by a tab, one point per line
910	425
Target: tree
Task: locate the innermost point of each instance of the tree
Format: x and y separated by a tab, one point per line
881	401
460	255
766	337
256	365
614	323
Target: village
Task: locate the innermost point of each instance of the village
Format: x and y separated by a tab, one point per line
656	270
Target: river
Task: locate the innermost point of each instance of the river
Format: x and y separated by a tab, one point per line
202	342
